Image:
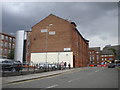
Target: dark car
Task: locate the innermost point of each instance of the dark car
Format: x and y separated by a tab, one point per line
111	65
10	65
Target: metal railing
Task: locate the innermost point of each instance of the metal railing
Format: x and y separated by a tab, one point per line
28	68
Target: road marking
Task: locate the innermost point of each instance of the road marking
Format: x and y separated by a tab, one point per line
96	70
73	80
52	86
63	73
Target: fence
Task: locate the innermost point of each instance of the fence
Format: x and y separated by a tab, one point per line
28	68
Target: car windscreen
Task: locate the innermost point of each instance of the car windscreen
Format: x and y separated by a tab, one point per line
7	62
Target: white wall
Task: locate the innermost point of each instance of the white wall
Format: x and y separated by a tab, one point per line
19	45
53	57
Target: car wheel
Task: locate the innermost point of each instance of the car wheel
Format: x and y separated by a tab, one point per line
13	70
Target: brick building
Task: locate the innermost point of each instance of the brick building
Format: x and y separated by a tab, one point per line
95	55
106	55
7	44
56	36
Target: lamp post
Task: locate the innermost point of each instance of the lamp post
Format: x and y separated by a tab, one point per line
58	60
47	30
46	41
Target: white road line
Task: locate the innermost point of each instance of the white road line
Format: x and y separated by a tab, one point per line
96	70
73	80
52	86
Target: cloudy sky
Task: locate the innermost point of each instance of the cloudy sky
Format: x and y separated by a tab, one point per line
96	21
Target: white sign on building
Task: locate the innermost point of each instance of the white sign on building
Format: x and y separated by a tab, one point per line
52	33
44	30
67	49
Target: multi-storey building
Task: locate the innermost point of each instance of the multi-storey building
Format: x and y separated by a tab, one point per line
56	40
7	45
108	54
95	55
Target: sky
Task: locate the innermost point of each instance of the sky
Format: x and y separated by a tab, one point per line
96	21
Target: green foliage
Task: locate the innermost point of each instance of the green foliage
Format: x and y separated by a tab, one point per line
114	51
11	54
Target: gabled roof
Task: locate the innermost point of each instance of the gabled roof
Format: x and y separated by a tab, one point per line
66	21
95	48
106	50
50	15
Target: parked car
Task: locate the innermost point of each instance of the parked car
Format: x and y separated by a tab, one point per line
95	65
111	65
99	65
50	66
54	66
118	64
104	65
91	65
11	65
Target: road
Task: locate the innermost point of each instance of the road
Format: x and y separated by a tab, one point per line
91	77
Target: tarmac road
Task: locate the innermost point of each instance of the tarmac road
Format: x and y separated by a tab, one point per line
89	77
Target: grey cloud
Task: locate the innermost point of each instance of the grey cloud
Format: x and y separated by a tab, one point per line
92	18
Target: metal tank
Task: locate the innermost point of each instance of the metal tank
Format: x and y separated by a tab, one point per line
20	36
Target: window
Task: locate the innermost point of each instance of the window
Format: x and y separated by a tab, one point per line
1	44
97	52
9	51
90	58
9	45
10	39
97	57
13	46
93	57
13	40
105	55
7	38
2	37
110	58
1	51
5	51
111	55
6	44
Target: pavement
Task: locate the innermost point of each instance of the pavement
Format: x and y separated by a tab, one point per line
6	80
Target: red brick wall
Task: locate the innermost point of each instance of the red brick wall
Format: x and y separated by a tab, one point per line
95	56
66	36
6	48
57	42
80	49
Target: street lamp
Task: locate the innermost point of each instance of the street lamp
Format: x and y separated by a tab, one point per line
58	60
46	41
46	45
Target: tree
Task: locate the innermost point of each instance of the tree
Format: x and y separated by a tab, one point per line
11	54
113	51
